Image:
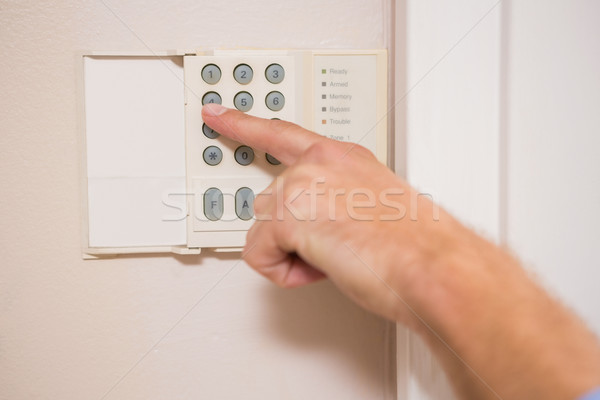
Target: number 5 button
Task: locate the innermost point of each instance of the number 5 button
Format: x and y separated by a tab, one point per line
243	101
275	101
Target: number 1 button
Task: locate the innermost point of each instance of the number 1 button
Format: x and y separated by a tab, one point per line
211	74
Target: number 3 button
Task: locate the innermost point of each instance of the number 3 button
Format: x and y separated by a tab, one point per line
243	101
275	73
275	101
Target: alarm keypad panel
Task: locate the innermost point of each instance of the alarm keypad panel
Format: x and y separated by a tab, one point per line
224	176
341	94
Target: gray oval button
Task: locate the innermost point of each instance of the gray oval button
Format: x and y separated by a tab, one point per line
211	74
212	155
275	73
209	132
213	204
211	97
243	74
244	155
243	101
244	203
272	160
275	101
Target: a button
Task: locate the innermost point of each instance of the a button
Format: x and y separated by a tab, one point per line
275	101
213	204
244	155
211	74
243	101
243	74
209	132
244	203
275	73
211	97
272	160
212	155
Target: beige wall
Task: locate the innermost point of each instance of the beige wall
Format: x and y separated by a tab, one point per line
74	329
553	143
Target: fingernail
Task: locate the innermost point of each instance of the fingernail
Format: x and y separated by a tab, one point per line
214	109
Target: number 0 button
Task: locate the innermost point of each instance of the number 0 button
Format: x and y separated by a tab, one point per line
211	74
275	73
244	155
211	97
243	74
243	101
275	101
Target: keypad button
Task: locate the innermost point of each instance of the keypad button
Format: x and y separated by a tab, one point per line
244	155
209	132
272	160
243	101
211	97
275	101
243	74
211	74
213	204
212	155
275	73
244	203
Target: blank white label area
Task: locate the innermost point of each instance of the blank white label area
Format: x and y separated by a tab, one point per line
135	143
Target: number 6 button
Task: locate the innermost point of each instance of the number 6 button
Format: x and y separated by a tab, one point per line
243	101
275	101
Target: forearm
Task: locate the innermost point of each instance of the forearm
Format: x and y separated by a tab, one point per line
497	333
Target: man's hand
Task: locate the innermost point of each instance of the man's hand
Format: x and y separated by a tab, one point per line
337	212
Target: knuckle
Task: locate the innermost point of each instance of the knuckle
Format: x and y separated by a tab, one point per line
361	151
319	151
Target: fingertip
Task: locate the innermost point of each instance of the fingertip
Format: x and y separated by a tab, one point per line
213	110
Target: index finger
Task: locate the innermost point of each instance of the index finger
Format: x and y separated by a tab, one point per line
281	139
